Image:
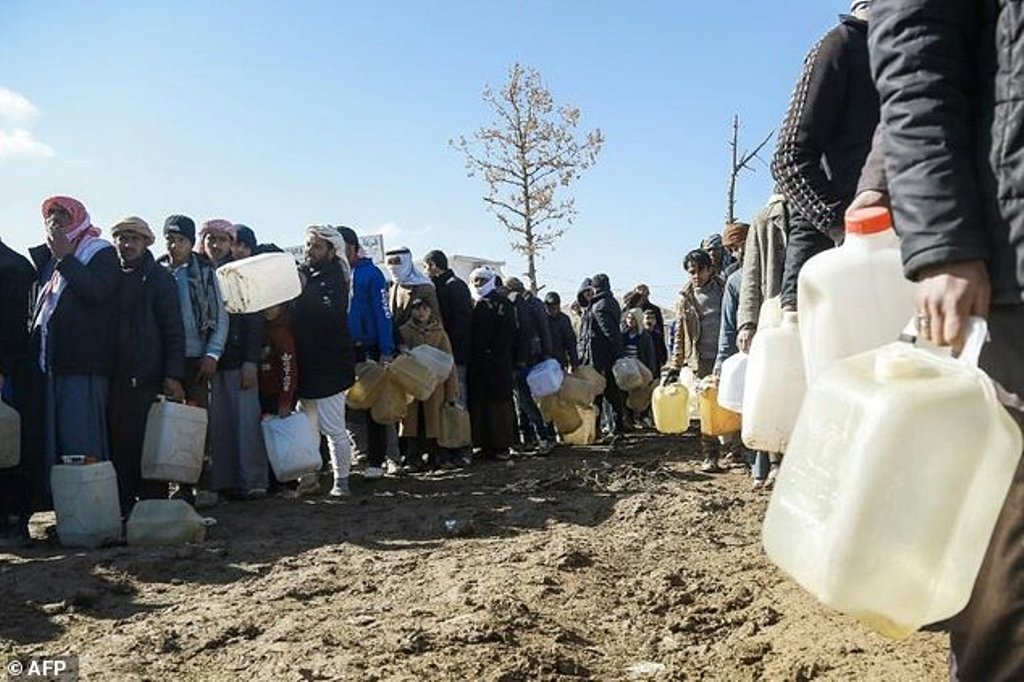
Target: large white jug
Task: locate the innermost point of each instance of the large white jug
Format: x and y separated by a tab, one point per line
545	378
436	360
165	522
85	499
732	383
259	282
10	436
293	446
775	386
894	477
174	442
854	298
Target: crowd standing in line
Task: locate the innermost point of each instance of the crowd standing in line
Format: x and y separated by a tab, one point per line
914	109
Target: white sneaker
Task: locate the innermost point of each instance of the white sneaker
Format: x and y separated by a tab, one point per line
394	468
340	488
773	473
373	473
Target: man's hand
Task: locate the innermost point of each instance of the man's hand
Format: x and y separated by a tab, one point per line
207	368
867	199
57	240
946	296
173	389
671	376
744	338
249	376
283	411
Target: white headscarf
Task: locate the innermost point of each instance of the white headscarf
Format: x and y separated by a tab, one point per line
330	234
483	272
405	271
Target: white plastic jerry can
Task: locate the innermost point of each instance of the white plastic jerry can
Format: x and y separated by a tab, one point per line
853	298
436	360
174	442
732	383
545	378
293	446
165	522
259	282
86	502
775	386
893	480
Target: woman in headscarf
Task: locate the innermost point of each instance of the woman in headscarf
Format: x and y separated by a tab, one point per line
492	358
74	333
407	285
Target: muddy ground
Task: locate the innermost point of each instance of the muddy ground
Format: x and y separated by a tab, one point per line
621	564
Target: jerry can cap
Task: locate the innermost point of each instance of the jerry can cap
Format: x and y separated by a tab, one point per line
870	220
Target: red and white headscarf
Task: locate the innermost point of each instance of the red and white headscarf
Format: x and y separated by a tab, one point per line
81	226
215	226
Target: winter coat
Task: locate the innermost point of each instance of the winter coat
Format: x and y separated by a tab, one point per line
688	333
764	258
563	340
728	329
493	353
369	317
400	300
605	343
952	132
279	368
320	326
643	346
156	333
456	306
244	342
534	338
827	132
82	337
431	334
584	333
17	278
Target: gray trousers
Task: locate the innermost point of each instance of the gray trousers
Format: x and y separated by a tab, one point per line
236	439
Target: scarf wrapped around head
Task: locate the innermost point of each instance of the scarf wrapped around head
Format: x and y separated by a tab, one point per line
215	226
85	237
405	271
81	226
333	236
486	273
735	235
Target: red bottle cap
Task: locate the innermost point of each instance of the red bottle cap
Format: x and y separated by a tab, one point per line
869	221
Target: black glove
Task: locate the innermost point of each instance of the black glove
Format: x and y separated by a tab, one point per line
671	377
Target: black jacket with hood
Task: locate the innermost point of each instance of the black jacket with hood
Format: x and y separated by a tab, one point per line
604	335
826	135
320	325
17	278
456	312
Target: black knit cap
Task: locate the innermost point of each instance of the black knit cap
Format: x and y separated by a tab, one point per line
245	235
349	235
181	225
552	298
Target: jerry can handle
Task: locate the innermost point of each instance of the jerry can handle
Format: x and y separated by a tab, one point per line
975	339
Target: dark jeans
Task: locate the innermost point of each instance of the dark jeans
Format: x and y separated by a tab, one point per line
129	408
804	241
988	635
531	423
376	434
613	394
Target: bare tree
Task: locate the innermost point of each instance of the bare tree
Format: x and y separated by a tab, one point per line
528	157
740	162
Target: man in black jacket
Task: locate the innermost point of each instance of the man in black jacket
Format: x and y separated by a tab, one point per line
73	336
16	281
533	346
323	345
236	437
604	343
823	142
949	74
150	355
457	316
563	338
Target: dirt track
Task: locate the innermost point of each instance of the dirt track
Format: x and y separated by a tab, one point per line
606	565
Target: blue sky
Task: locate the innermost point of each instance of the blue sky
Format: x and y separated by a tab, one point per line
278	114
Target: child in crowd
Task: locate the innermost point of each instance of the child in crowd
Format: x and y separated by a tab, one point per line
639	345
422	424
278	366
